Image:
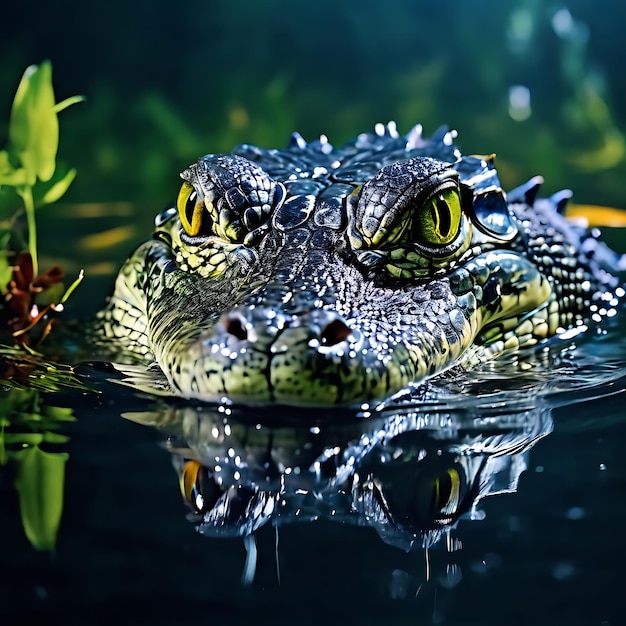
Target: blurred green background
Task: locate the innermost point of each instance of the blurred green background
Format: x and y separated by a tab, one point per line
539	83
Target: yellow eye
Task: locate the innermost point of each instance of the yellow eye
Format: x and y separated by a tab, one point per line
440	220
189	484
197	488
446	493
190	209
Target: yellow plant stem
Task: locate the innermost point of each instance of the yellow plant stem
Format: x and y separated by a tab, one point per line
26	194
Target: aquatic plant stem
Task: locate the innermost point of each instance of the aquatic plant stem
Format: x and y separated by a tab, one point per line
26	194
59	106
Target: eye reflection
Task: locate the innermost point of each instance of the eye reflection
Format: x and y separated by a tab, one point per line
198	487
446	493
426	495
409	480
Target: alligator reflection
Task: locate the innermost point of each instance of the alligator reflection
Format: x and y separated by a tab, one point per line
408	473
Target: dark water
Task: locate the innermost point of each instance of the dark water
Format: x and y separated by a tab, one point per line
166	82
548	552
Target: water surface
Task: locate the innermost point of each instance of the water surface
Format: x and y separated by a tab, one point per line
545	549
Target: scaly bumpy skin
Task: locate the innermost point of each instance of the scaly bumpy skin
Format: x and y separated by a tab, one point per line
318	276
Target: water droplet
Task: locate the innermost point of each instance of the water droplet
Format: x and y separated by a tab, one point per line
563	570
452	577
490	561
477	514
575	513
399	584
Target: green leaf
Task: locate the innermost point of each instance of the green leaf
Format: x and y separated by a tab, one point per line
5	165
59	106
23	440
40	483
9	175
34	126
14	178
55	438
52	190
10	203
59	414
6	269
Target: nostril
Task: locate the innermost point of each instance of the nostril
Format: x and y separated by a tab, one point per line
334	332
236	325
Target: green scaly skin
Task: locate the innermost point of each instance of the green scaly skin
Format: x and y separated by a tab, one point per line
316	275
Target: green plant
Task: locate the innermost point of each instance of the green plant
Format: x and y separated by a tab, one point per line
28	440
30	177
28	166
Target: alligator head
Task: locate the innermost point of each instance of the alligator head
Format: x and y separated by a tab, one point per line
315	275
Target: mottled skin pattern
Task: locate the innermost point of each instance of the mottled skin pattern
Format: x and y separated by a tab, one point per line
318	276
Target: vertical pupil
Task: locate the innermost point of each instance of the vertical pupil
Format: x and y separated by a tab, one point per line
436	497
190	206
439	495
442	218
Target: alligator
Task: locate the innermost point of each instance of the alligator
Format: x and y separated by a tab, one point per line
317	276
